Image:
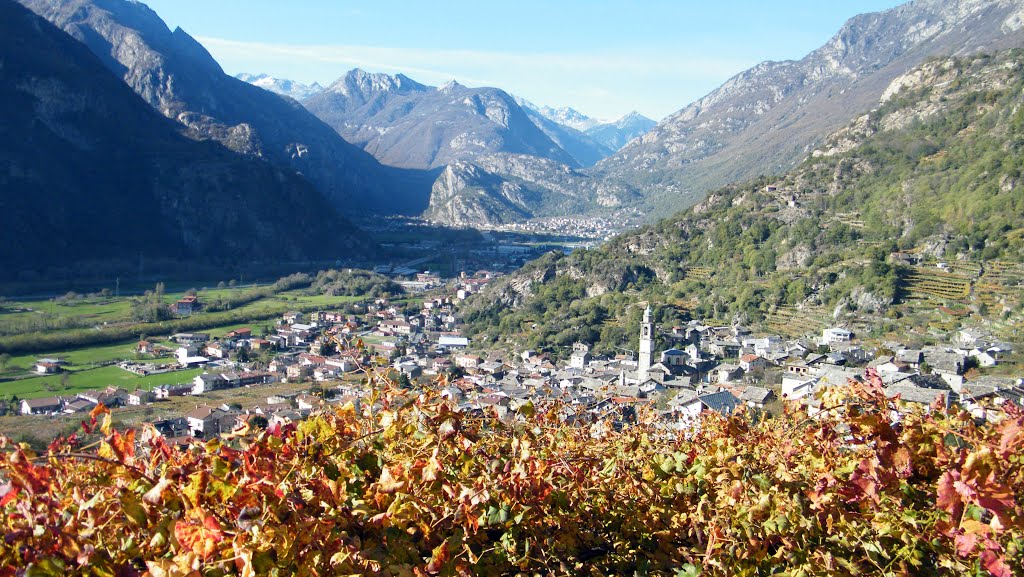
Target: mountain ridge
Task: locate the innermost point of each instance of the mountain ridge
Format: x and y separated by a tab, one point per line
178	77
407	124
767	118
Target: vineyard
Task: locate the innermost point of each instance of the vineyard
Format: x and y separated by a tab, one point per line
416	488
1004	273
929	283
793	322
700	272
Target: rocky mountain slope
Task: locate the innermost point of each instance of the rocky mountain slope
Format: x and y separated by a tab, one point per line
90	172
282	86
406	124
768	118
178	77
503	188
932	175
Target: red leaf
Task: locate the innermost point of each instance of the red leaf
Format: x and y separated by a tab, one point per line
948	499
201	539
1012	435
965	544
439	558
995	564
965	490
12	492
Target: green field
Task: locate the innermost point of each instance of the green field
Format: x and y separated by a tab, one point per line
16	315
17	377
93	378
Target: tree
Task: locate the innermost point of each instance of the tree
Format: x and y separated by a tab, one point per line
5	359
403	381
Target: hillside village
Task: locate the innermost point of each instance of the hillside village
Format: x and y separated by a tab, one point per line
328	354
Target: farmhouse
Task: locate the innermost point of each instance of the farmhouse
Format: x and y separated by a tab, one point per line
186	305
48	366
41	406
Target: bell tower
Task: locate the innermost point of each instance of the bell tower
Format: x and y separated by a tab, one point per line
646	346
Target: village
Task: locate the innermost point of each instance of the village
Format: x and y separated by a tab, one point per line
328	355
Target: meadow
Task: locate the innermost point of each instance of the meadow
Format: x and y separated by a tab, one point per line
108	333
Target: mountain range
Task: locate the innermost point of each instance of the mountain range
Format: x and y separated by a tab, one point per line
92	173
179	78
610	135
407	124
767	119
377	143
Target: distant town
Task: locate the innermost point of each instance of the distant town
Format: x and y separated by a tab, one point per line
323	358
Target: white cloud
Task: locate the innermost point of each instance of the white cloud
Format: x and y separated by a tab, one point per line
610	84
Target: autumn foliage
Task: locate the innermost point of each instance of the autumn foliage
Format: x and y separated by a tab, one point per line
409	486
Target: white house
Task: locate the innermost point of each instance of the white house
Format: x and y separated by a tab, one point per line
835	335
795	387
41	406
728	372
580	356
453	342
752	362
985	359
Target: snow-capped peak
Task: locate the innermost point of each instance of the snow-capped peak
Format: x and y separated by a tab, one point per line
450	86
296	90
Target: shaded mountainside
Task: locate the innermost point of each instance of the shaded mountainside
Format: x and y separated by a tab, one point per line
768	118
178	77
409	125
90	172
933	174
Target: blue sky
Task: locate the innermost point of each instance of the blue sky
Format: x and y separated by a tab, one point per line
603	58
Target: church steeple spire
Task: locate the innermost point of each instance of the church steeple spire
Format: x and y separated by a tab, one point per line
646	357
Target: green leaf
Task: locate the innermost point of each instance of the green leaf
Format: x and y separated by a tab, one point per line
49	567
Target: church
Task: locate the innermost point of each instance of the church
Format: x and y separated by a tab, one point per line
671	365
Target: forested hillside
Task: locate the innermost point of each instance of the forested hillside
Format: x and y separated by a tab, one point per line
930	178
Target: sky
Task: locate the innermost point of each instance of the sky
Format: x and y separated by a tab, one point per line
602	58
